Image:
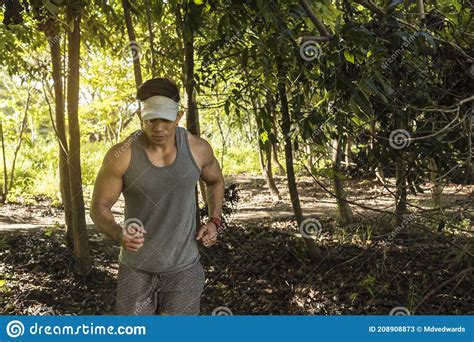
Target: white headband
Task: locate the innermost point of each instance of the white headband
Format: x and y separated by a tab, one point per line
159	107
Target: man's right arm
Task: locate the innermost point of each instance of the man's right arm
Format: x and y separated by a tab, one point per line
107	189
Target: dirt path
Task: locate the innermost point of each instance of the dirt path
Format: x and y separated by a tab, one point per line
255	203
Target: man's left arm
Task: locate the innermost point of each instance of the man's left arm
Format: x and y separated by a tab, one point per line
211	174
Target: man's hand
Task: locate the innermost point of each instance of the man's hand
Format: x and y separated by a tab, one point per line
208	234
132	237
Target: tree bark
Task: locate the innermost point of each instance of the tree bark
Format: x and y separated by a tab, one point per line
20	140
223	139
137	71
151	37
421	10
309	152
5	171
265	165
274	134
192	118
348	153
318	23
64	179
437	186
344	210
314	253
401	173
81	242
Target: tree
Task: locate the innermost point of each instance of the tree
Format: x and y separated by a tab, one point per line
81	242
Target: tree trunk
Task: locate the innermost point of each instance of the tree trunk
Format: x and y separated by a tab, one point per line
265	165
401	173
64	179
314	253
151	38
437	190
274	134
20	140
192	118
348	153
269	174
81	242
344	210
379	173
309	152
276	162
223	139
421	10
137	71
5	171
469	124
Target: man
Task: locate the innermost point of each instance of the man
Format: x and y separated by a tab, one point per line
157	169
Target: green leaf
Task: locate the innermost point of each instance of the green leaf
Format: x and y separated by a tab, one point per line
395	3
264	136
429	39
348	56
52	8
369	87
227	107
361	105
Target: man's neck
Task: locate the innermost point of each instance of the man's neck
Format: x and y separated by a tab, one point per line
164	148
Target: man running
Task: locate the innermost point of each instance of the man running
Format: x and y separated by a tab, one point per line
157	169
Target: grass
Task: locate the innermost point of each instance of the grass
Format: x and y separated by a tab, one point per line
37	174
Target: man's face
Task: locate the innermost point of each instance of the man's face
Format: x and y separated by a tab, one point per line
159	131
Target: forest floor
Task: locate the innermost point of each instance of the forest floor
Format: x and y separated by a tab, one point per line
259	266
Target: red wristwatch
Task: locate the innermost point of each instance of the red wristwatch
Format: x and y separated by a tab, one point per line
216	221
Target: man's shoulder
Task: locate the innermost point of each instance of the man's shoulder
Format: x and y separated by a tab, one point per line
119	155
198	143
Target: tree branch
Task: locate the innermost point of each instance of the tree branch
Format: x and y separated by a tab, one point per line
443	284
318	23
303	39
370	5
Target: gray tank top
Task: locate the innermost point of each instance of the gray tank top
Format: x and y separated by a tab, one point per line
163	198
